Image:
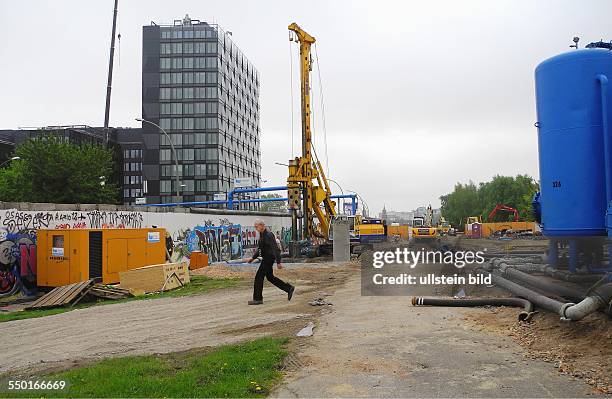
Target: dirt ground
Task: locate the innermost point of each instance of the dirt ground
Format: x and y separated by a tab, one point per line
581	350
363	346
167	324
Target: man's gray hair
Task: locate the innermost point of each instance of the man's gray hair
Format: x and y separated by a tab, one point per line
259	221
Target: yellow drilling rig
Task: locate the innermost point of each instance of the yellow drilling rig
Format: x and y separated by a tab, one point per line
307	182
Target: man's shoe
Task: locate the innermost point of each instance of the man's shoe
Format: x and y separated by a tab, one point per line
290	293
255	302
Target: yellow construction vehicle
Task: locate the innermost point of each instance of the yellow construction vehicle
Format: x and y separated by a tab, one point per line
444	226
307	181
422	227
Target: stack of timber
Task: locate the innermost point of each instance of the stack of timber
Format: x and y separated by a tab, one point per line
65	295
162	277
108	292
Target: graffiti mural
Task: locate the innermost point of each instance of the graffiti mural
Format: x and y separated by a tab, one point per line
222	237
221	243
17	262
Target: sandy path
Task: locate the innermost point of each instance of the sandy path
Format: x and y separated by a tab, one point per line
384	347
147	326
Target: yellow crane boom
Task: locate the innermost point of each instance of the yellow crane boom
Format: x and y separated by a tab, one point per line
304	171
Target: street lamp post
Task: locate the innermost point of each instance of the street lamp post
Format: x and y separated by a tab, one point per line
176	171
341	190
9	160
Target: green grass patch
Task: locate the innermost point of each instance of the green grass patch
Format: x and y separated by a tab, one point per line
198	285
245	370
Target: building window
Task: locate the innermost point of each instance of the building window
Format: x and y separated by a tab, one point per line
164	94
188	124
165	186
177	93
188	63
165	63
177	124
177	63
177	48
176	108
188	47
176	139
165	155
188	92
164	123
188	108
188	77
164	78
177	78
189	184
188	154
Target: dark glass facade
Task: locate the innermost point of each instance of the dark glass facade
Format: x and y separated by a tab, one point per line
204	93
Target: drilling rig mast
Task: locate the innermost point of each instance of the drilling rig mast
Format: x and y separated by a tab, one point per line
306	177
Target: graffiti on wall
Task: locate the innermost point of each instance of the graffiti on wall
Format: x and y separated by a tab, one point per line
17	262
226	241
15	221
221	237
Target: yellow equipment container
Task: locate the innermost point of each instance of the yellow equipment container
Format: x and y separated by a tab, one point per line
70	256
401	231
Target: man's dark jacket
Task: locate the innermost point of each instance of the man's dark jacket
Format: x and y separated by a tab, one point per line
268	248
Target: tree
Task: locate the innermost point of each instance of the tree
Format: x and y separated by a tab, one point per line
461	203
52	170
276	206
468	200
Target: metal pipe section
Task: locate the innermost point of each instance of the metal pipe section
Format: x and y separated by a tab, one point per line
525	315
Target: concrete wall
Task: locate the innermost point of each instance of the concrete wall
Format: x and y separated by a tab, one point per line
223	234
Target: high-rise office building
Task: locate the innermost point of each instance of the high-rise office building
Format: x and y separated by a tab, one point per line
200	89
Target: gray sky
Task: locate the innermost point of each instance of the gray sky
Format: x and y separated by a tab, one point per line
418	95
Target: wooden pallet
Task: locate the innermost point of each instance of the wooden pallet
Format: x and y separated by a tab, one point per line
65	295
105	292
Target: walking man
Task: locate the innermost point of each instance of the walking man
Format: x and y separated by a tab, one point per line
269	251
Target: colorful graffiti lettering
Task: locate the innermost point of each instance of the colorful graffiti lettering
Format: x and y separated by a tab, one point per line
221	243
17	262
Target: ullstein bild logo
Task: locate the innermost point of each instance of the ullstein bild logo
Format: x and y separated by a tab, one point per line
413	258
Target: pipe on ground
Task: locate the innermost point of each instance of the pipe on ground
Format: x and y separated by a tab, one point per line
599	297
525	315
547	286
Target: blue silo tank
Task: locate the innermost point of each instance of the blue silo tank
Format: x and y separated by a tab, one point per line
571	128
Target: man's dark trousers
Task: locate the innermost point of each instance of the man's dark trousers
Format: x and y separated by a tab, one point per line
266	270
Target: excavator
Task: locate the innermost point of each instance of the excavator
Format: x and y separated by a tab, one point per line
501	207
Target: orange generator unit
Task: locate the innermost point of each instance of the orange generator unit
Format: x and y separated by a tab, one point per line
71	256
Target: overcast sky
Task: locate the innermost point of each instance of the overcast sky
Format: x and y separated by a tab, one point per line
418	95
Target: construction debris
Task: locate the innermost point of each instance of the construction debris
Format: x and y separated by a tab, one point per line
320	302
65	295
108	292
307	331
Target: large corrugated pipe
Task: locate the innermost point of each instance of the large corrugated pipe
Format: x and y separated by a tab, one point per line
525	315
